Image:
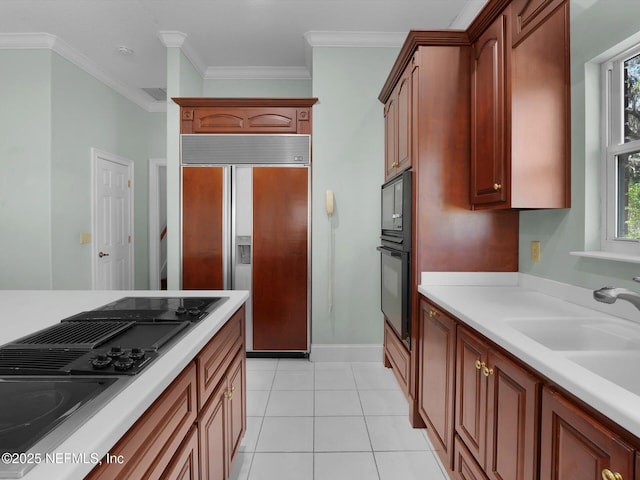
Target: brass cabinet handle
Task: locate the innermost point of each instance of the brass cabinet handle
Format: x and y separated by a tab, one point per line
486	371
228	394
433	313
609	475
479	364
497	186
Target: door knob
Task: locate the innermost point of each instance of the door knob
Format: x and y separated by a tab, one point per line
102	254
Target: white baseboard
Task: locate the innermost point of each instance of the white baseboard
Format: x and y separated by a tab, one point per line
346	353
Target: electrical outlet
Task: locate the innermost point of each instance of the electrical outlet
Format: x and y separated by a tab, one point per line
535	251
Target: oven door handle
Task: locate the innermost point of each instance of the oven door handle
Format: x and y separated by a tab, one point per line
388	251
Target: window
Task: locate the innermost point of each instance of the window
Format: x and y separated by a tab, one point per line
621	153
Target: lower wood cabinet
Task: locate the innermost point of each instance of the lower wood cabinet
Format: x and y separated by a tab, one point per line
497	410
464	464
510	423
185	464
194	429
575	446
436	384
222	423
396	355
149	446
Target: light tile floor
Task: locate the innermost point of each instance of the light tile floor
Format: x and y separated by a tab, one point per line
329	421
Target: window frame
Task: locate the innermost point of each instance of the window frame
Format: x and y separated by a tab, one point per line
612	145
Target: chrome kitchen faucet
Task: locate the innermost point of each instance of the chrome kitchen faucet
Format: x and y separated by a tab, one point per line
611	294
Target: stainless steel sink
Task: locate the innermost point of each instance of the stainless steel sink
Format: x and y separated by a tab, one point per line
581	334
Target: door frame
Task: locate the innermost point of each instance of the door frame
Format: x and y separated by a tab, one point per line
96	155
155	164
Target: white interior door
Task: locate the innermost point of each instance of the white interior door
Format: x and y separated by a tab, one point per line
112	222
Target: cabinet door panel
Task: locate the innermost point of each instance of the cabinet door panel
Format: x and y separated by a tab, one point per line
512	415
404	121
202	228
528	14
244	120
213	431
575	446
540	116
471	394
437	352
488	156
237	404
391	136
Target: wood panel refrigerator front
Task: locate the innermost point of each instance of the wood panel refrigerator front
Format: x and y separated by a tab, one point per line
280	211
280	226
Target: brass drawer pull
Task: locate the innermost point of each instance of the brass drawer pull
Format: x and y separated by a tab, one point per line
609	475
479	364
497	186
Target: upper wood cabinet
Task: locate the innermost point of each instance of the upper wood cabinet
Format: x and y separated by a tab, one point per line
398	135
527	15
488	127
540	105
520	93
245	115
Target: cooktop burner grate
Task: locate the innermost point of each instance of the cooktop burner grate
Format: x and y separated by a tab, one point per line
74	334
31	361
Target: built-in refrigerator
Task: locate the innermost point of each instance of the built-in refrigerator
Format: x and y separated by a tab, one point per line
246	226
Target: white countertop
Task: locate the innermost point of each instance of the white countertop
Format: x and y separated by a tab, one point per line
487	302
24	312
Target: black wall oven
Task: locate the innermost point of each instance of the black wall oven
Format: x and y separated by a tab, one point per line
395	254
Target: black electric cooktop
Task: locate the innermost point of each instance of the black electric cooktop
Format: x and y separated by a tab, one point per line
49	375
155	309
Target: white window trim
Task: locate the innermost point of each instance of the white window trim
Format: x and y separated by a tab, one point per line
611	138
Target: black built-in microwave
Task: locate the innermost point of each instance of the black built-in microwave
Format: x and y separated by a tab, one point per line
396	212
395	255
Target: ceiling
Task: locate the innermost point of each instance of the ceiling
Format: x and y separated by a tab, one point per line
223	38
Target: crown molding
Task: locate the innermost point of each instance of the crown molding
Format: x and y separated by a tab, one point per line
257	73
47	41
355	39
468	14
176	39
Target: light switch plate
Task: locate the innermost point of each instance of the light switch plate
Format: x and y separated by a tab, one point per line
85	237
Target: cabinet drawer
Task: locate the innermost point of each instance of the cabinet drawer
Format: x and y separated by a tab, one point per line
398	355
184	465
464	463
216	356
148	447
